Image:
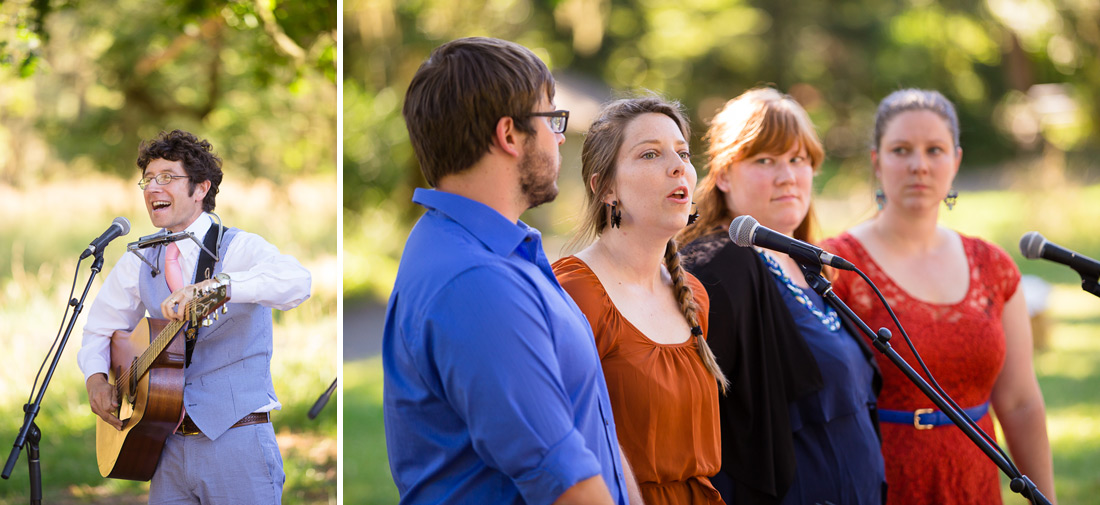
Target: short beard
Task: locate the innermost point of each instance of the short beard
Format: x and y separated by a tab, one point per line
537	180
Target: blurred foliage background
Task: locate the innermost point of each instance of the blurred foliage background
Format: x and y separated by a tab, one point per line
81	85
84	84
1024	75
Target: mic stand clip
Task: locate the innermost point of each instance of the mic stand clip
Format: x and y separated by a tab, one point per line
1090	285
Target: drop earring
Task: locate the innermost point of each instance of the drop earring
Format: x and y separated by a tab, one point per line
880	198
694	215
616	217
951	199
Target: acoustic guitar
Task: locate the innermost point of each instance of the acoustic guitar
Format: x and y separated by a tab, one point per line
147	372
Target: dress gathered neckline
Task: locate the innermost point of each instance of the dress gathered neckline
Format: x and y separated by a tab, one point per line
689	342
871	264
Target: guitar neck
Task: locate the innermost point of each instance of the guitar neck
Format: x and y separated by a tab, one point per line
156	347
199	307
142	363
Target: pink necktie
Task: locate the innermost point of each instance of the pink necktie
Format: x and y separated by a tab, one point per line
173	274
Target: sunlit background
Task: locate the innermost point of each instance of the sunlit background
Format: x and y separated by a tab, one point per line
1024	74
81	84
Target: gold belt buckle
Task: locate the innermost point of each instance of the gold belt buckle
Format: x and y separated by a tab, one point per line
188	427
916	419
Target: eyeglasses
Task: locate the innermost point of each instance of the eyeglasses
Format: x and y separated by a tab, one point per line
161	179
558	119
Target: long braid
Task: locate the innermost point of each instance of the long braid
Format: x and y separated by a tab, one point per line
686	299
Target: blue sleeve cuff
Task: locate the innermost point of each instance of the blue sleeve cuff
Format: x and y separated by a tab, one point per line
566	463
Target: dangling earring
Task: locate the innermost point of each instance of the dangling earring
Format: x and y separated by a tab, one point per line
951	199
616	214
880	198
694	215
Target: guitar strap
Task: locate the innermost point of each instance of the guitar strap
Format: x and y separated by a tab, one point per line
203	271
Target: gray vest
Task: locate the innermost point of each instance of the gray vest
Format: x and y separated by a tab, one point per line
230	372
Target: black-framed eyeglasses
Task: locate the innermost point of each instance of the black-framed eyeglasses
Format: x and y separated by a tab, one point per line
161	179
558	119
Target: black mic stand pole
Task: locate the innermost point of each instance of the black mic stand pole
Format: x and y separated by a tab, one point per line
29	434
322	400
1020	483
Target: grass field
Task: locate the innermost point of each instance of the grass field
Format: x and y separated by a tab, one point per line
1068	371
366	471
46	228
1069	374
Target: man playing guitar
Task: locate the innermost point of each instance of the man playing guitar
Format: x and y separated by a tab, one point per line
223	449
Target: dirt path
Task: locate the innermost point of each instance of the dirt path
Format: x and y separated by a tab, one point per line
363	324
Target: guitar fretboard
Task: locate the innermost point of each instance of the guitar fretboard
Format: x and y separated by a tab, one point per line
143	362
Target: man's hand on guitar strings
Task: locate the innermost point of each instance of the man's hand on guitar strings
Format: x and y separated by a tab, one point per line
174	307
103	398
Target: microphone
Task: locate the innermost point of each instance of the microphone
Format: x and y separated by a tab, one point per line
745	231
119	227
1034	246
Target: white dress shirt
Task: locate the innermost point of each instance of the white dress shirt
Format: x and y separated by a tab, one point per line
258	273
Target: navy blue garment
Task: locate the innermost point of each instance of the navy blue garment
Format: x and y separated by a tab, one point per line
493	387
837	451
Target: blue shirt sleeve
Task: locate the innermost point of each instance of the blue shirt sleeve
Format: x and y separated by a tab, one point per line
494	358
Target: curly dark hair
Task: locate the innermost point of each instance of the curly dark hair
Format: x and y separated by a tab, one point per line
195	154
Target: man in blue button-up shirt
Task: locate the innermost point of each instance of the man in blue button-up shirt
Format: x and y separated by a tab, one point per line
494	391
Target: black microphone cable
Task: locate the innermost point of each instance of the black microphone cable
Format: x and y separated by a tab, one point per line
64	317
931	379
744	233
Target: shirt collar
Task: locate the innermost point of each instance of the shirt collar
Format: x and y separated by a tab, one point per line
199	228
483	222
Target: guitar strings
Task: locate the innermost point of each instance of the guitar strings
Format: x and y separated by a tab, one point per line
150	354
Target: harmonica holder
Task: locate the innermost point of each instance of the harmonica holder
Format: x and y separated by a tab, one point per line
164	238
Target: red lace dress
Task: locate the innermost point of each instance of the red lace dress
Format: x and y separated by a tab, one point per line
963	345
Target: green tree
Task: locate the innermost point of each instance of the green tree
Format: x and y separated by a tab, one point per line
256	77
838	58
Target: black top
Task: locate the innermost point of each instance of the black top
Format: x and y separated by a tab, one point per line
768	363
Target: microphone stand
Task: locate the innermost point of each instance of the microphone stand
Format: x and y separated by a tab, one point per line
1090	285
322	400
1020	483
29	434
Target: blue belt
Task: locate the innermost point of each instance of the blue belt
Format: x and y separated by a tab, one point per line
926	419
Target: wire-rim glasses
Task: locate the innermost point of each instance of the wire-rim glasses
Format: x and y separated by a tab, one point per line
558	119
161	179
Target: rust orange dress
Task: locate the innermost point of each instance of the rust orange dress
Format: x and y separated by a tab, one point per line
664	400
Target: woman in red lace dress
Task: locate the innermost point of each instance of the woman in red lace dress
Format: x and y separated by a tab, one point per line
957	297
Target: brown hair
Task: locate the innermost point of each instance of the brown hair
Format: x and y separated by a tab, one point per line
761	120
598	168
914	99
196	155
459	94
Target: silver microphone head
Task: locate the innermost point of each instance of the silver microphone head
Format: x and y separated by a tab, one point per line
742	229
123	224
1031	245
